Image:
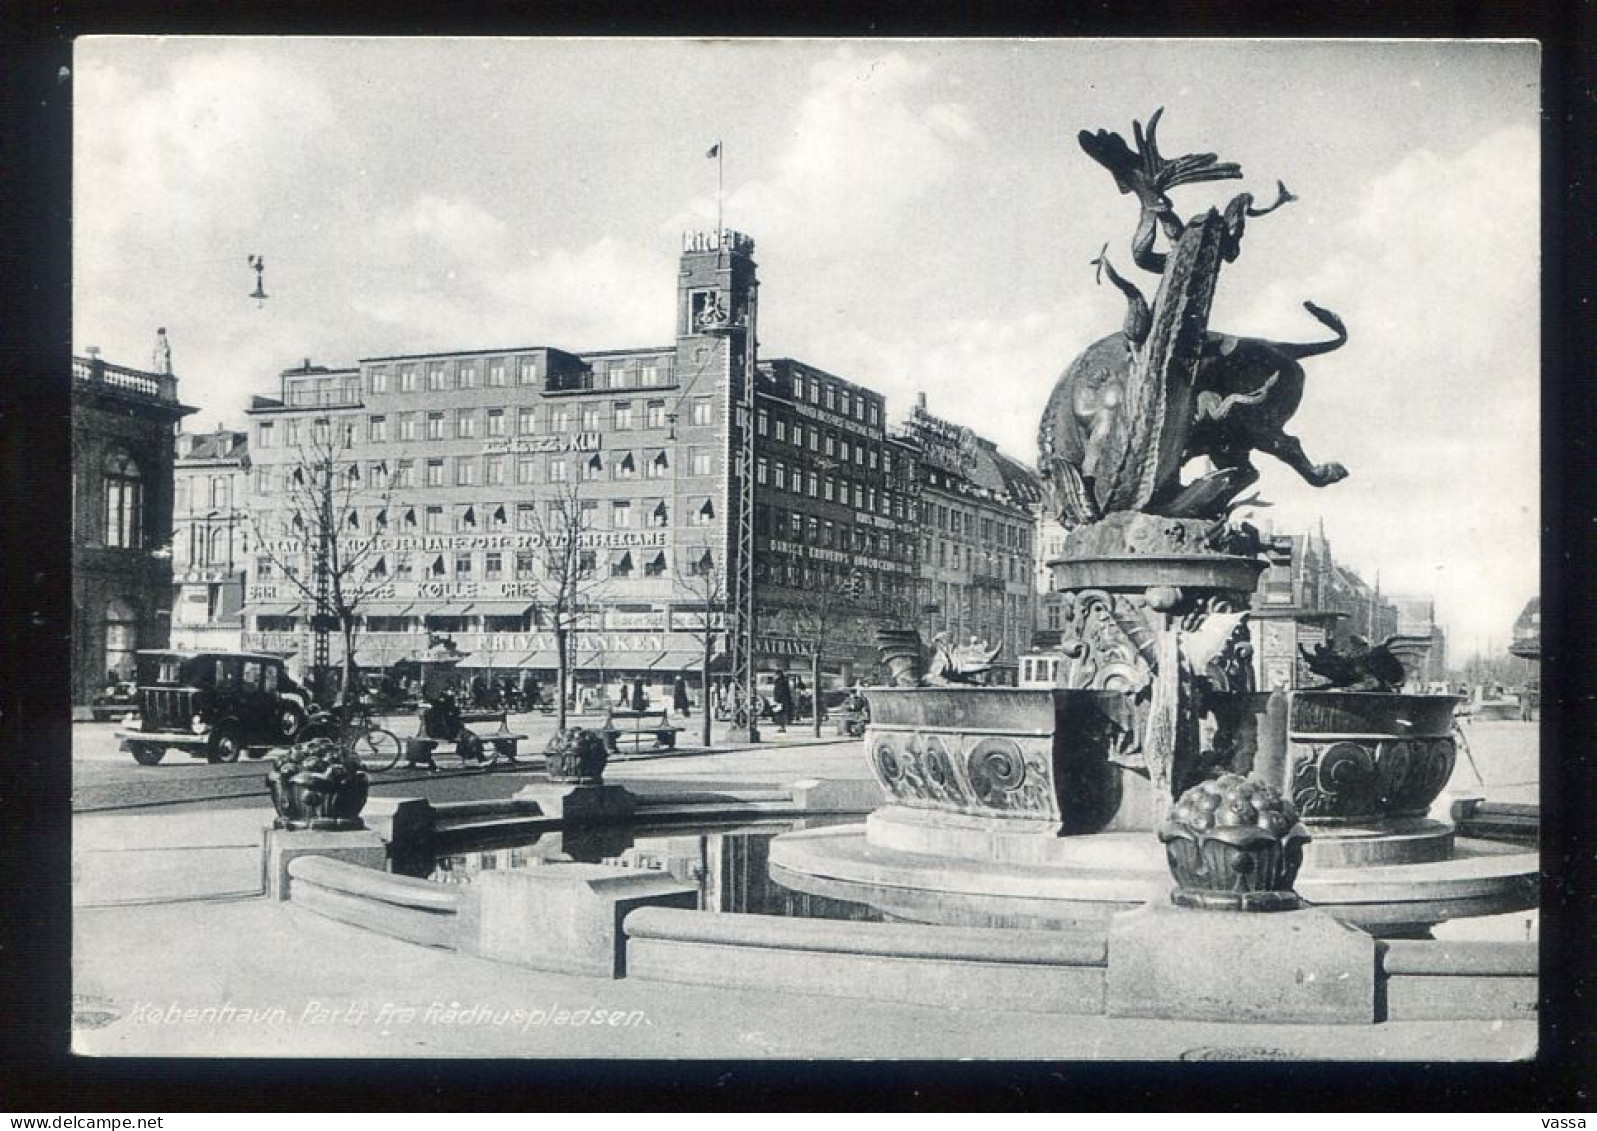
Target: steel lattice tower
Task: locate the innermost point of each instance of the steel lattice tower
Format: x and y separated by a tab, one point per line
740	566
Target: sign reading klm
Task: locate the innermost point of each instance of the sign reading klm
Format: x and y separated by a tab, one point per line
559	442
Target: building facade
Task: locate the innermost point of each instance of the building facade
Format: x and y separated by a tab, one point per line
466	458
1306	598
977	526
835	550
1425	641
123	426
451	466
210	539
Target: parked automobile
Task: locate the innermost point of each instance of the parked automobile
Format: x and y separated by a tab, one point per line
213	705
115	702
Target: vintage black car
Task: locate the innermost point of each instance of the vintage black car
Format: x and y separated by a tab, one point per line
214	705
116	702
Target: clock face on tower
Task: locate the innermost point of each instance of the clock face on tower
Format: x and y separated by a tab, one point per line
707	310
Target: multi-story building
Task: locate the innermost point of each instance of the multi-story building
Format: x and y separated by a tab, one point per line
123	424
1050	541
1306	598
210	539
461	457
835	548
1425	640
977	516
468	454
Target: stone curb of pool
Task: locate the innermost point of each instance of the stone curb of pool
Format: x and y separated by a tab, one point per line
1154	962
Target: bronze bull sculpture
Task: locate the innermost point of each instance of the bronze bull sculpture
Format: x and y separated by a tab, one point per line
1137	405
1246	389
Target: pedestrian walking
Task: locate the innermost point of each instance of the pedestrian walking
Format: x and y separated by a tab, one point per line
782	693
679	698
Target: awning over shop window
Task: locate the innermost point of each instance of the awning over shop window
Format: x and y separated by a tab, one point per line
272	608
386	608
500	661
455	610
502	608
680	660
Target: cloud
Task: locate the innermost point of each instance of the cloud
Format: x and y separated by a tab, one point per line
184	165
459	284
1434	402
868	140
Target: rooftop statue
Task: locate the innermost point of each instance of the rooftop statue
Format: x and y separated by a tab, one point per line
1128	414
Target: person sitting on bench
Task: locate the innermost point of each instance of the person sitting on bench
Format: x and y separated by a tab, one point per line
441	721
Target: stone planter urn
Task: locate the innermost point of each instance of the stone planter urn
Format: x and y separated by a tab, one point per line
576	756
318	785
1234	845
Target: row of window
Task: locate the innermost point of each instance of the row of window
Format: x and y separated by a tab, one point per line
800	573
793	526
211	544
518	565
822	441
495	372
836	398
200	492
471	423
993	563
494	470
994	617
799	481
478	518
963	524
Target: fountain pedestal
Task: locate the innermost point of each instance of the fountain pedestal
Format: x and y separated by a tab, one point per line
1022	806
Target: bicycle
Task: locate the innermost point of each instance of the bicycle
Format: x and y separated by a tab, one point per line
355	729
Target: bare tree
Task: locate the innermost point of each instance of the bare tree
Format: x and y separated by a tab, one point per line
822	613
706	584
569	578
325	536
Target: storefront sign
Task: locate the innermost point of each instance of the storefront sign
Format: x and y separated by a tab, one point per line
617	619
499	540
693	620
839	557
532	445
945	445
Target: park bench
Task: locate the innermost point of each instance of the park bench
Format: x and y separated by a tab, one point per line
421	748
635	726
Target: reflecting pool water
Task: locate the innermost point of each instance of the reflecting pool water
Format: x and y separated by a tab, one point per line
727	864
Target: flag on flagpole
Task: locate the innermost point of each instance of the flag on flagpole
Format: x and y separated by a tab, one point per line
715	150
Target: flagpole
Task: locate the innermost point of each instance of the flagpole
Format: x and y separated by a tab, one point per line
719	185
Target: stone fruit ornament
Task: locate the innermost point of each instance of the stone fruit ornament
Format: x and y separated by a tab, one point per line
317	784
576	756
1234	844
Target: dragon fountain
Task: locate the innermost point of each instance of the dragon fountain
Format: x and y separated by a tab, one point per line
1028	806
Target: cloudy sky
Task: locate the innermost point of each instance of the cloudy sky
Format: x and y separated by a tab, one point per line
924	220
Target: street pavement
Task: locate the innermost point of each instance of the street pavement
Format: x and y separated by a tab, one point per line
167	913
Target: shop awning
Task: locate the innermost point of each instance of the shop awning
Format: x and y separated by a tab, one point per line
504	661
502	608
539	660
454	610
386	608
680	660
272	608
